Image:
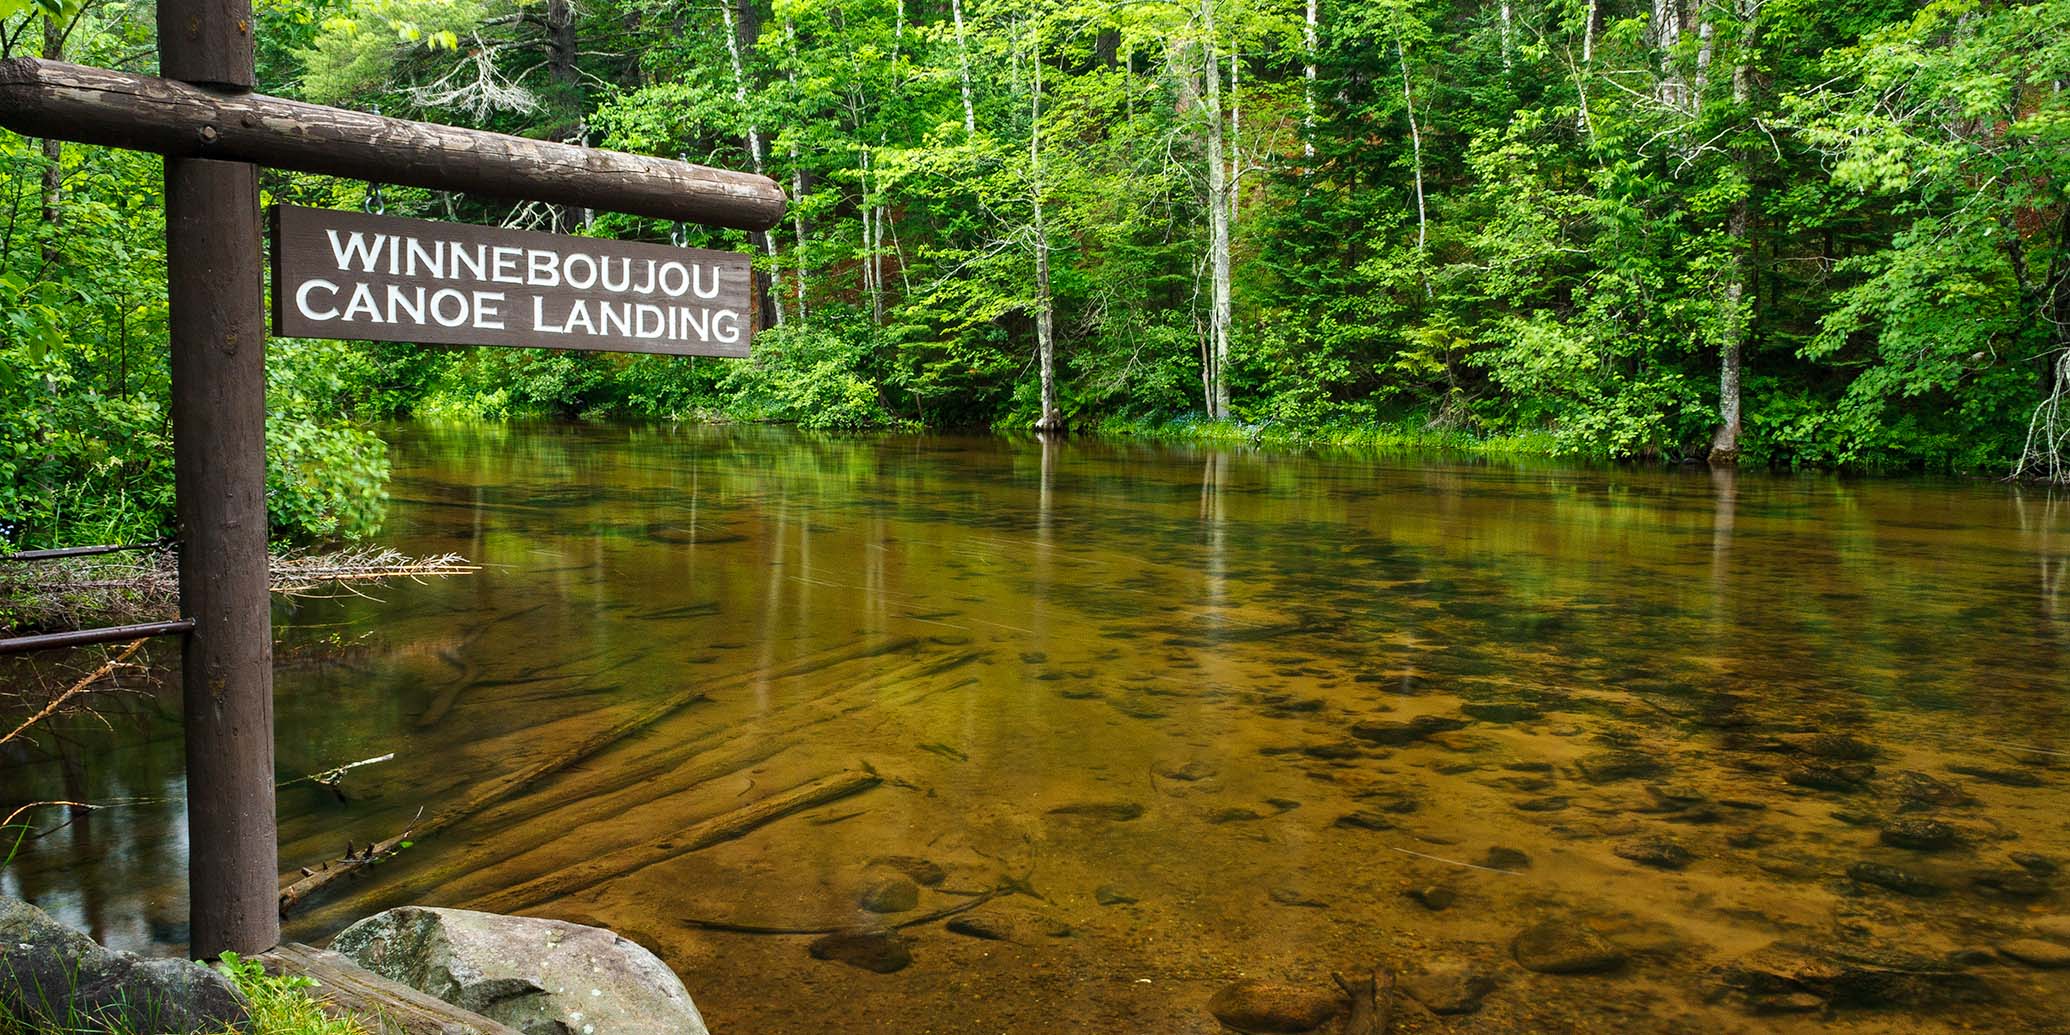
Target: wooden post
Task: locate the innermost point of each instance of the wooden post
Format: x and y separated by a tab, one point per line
218	337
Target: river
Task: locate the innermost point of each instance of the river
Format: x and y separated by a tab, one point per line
1791	752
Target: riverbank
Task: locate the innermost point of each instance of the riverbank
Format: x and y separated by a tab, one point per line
1406	437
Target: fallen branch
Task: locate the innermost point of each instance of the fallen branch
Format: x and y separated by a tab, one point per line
1372	1004
353	860
74	690
696	837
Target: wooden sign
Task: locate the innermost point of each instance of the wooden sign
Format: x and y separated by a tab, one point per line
379	278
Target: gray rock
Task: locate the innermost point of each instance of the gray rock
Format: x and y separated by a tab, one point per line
542	977
1452	988
1565	947
877	951
890	895
1270	1006
53	976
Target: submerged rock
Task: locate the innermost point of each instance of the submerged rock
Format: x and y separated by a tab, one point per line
1364	819
1619	764
880	952
2039	865
1918	792
2036	953
2007	777
1918	834
1433	898
1502	711
1565	947
1848	978
1189	772
1450	988
1116	811
53	978
542	977
1396	734
1110	895
1830	776
916	869
1904	882
1843	747
1505	858
1234	814
890	895
1286	896
2011	884
1271	1007
1659	851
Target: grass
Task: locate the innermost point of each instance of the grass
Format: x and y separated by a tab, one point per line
1400	437
280	1005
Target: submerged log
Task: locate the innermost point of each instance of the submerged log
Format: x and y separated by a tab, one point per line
1372	1004
697	836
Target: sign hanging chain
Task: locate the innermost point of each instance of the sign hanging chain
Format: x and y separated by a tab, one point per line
678	233
374	203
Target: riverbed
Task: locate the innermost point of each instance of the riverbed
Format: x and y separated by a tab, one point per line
1781	752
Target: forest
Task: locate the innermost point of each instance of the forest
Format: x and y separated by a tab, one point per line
1781	233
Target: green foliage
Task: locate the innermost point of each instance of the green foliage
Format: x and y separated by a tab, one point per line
1867	200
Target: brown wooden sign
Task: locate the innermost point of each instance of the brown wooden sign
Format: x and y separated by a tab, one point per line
379	278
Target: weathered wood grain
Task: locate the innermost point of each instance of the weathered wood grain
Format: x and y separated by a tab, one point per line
121	109
384	1006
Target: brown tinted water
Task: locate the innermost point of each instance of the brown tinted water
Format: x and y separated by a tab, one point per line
1208	713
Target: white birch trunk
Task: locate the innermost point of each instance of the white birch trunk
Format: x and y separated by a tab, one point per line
963	63
790	31
1052	418
1218	221
1401	52
1310	39
1737	318
1508	39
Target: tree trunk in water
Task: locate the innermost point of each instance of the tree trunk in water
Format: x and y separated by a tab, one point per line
53	152
963	63
1218	222
767	240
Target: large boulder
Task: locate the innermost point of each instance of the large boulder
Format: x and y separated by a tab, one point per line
542	977
55	977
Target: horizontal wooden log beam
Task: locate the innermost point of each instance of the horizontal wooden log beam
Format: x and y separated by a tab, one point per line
119	109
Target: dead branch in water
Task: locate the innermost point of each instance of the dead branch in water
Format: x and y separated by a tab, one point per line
60	700
312	879
78	591
1372	1003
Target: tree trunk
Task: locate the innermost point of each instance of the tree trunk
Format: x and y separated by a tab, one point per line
963	64
771	302
1401	51
790	31
1052	418
1218	222
1508	39
1235	138
1309	42
1667	34
53	152
1731	350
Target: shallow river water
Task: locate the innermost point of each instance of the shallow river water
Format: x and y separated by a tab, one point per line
1764	753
